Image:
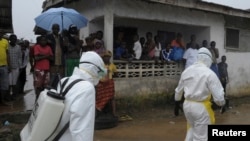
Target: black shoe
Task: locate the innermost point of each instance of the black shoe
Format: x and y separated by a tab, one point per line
13	98
8	99
176	111
176	108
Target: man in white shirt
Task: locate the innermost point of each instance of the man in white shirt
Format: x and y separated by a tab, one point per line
137	47
25	59
190	55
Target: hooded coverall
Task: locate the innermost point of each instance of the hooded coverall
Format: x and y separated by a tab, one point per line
199	83
80	99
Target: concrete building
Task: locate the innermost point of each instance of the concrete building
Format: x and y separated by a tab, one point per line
228	27
6	16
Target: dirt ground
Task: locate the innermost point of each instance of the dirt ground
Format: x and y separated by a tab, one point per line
158	124
150	124
162	125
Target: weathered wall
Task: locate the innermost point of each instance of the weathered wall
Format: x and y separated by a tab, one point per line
239	73
145	86
205	25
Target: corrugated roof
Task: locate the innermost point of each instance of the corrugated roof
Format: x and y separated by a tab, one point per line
6	16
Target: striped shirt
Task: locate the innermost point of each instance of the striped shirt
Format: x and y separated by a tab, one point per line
15	55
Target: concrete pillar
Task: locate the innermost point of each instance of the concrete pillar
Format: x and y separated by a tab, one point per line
108	24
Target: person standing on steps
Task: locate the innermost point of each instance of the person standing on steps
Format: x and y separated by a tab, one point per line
215	54
224	79
222	67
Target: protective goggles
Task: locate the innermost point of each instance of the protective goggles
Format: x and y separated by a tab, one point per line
101	72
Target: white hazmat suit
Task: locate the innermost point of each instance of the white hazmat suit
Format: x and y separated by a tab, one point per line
80	99
199	83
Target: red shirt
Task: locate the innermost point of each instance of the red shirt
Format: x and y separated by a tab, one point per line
43	64
174	43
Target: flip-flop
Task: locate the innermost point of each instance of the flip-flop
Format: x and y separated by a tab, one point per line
125	118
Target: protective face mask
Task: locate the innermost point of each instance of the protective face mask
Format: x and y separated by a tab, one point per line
102	72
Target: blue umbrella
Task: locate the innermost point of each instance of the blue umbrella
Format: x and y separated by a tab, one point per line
62	16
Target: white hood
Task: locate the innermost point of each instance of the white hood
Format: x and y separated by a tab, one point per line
91	67
204	56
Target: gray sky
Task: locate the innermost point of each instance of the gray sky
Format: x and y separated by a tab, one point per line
240	4
24	12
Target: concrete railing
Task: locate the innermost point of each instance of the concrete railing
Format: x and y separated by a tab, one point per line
145	69
146	77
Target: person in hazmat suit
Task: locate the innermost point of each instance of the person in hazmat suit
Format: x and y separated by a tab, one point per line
80	99
199	84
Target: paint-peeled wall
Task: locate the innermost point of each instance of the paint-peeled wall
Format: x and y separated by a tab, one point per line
152	17
239	73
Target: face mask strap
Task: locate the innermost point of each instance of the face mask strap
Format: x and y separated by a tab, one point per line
99	69
101	72
206	54
91	74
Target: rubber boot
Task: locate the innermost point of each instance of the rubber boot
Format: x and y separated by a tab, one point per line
176	108
15	92
2	101
227	102
7	95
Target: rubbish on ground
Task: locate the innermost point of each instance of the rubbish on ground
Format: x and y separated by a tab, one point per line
125	118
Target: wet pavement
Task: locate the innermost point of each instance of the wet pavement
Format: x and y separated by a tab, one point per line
148	125
23	102
161	125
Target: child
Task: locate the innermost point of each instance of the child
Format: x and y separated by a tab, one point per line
121	52
223	75
165	53
43	55
105	93
222	68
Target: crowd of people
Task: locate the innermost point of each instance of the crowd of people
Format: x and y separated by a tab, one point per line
53	56
202	81
175	51
13	62
59	52
56	55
